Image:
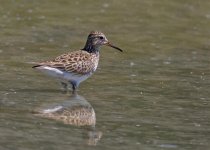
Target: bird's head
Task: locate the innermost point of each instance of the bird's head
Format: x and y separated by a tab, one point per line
97	39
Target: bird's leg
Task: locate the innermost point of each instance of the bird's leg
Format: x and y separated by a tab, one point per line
74	86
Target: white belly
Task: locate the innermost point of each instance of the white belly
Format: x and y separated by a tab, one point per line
63	75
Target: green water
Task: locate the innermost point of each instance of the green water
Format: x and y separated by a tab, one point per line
154	96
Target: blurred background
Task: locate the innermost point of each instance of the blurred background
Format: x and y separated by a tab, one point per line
154	95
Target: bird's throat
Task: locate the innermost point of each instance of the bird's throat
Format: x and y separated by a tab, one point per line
91	48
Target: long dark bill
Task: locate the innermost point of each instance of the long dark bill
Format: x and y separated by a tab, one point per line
111	45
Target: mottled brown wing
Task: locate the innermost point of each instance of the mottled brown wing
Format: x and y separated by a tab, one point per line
78	62
81	62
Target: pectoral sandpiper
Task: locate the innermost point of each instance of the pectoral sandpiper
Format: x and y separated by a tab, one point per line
75	67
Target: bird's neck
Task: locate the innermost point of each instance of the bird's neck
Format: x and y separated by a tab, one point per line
91	48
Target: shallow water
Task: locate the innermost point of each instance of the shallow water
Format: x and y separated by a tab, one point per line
155	95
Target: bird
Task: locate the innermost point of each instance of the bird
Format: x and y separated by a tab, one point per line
74	67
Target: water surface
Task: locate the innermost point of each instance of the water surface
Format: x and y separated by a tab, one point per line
155	95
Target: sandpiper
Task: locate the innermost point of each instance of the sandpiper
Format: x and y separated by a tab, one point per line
74	67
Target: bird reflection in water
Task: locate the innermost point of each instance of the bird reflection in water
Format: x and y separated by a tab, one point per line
75	111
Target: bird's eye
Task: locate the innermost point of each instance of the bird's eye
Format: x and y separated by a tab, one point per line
101	37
